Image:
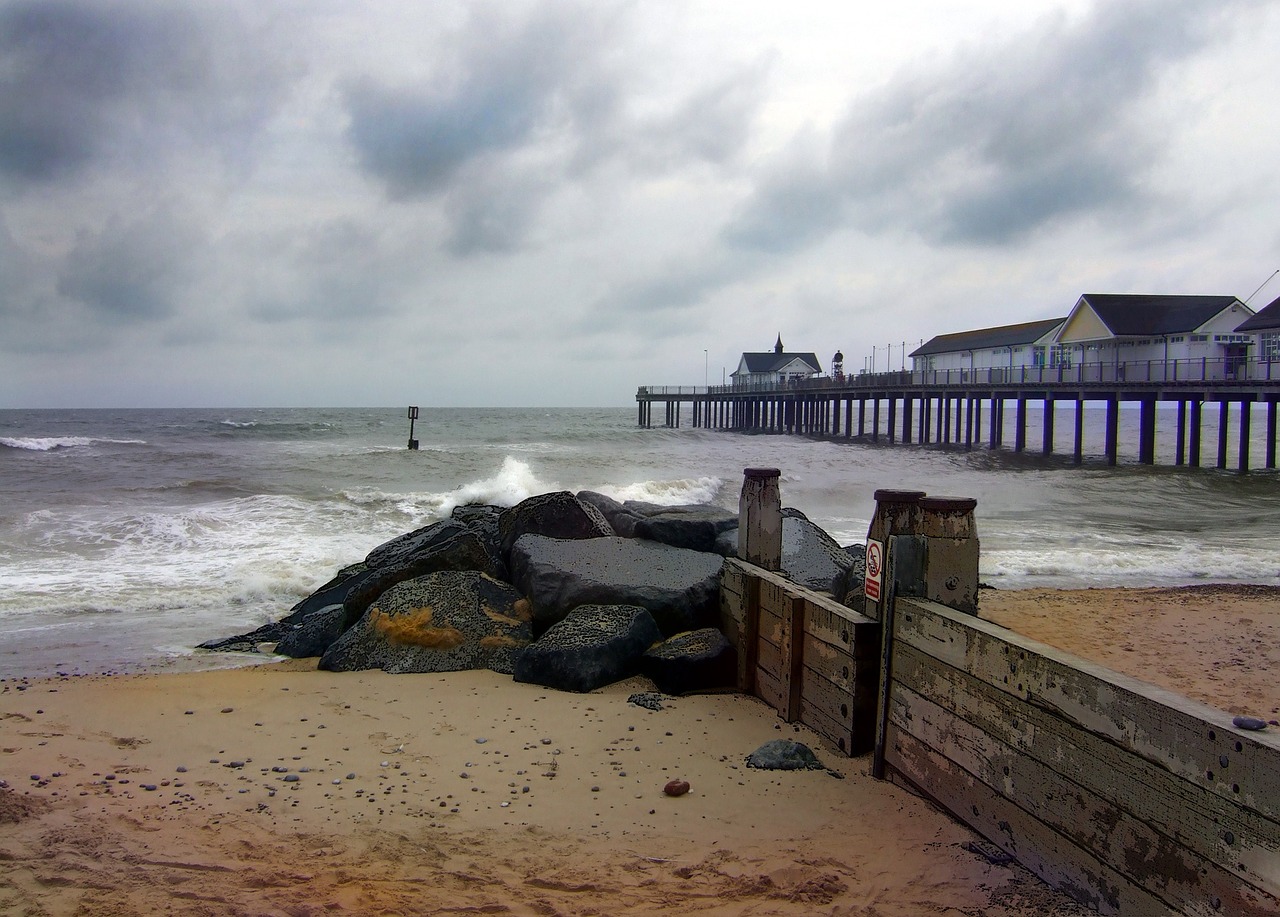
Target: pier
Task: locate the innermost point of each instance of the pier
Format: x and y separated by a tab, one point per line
972	408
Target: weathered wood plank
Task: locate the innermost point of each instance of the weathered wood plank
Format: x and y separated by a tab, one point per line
769	660
769	690
833	732
1054	858
838	626
1157	862
1200	820
1185	737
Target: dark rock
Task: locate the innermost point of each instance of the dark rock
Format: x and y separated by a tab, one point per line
695	529
812	558
680	588
464	550
647	699
697	660
621	520
1248	722
592	647
313	635
334	592
676	787
443	622
555	515
423	540
784	755
247	643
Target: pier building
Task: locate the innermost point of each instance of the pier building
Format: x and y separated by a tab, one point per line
1192	353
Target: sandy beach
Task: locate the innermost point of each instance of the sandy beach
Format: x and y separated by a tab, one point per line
285	791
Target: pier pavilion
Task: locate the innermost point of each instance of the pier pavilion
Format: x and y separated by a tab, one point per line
969	408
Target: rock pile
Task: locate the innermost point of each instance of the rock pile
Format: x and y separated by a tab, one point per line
563	590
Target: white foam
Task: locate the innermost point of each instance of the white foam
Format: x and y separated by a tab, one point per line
47	443
668	493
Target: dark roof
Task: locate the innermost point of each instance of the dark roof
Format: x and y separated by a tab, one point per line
1268	317
1139	313
771	361
986	338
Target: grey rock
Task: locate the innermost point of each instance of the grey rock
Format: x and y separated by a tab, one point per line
443	622
650	700
697	660
423	540
680	588
593	646
556	515
621	520
812	558
463	550
695	529
314	634
784	755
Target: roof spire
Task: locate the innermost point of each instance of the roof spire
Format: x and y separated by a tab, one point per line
777	348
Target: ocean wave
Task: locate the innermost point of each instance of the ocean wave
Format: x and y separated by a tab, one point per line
675	492
514	482
49	443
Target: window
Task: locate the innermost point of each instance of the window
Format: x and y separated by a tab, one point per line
1199	338
1270	341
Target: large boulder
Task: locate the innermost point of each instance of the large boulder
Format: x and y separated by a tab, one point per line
680	588
621	519
443	622
592	647
462	550
314	634
420	541
695	528
812	558
697	660
556	515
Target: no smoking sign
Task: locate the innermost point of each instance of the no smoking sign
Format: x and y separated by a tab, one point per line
875	569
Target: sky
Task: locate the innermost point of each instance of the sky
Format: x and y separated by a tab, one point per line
467	204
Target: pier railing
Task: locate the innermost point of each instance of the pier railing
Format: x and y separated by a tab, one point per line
1164	372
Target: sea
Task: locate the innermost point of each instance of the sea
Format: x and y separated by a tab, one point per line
127	537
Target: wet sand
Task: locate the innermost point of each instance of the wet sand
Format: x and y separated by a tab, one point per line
281	790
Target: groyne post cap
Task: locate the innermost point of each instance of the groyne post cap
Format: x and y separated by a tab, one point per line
948	504
756	474
899	496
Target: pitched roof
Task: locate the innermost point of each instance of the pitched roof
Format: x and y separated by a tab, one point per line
1268	317
772	362
986	338
1141	313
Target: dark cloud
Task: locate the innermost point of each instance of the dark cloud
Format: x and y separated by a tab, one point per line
130	272
80	81
997	142
504	83
517	108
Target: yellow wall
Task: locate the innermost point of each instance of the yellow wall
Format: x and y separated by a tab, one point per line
1083	325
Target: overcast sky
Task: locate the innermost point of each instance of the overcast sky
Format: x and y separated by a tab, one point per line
314	202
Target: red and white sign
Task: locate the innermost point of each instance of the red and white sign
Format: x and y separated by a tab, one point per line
875	569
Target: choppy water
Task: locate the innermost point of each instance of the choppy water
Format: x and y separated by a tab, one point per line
126	537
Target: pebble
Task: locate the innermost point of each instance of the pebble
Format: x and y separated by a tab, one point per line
228	709
676	787
291	778
1248	722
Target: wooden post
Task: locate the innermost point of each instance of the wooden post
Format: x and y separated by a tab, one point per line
760	518
1046	438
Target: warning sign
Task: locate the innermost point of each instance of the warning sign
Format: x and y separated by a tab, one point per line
875	569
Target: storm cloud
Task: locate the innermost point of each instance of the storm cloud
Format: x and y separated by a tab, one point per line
553	201
997	141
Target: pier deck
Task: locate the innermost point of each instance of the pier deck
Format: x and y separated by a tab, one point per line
968	408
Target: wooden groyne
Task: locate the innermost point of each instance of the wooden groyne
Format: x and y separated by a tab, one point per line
1130	798
990	408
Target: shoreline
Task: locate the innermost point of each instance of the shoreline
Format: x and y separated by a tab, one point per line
279	789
